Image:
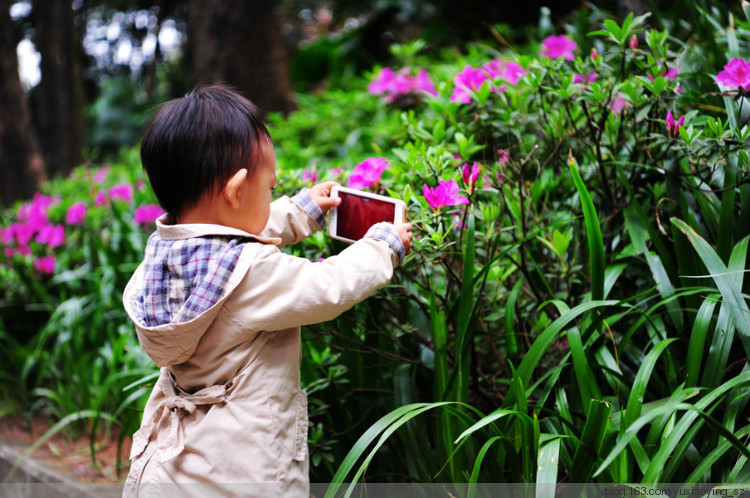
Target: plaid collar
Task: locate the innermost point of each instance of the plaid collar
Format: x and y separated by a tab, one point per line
185	277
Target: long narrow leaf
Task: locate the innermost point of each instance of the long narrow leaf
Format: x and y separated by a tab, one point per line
730	291
593	233
587	452
697	342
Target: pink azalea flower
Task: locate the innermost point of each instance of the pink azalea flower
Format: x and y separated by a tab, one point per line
445	194
470	176
101	174
336	172
122	192
584	78
467	81
145	214
76	213
52	235
507	70
34	214
23	233
45	264
9	252
101	199
310	177
24	250
671	73
559	46
619	102
368	173
736	74
633	43
6	235
673	127
383	82
423	82
503	155
393	85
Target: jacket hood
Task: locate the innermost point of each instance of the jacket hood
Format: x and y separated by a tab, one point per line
176	292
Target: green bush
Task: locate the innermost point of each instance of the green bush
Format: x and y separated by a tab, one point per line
573	309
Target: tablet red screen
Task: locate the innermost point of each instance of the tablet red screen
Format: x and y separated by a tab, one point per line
357	214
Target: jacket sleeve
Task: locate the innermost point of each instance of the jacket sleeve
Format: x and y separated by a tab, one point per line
281	291
293	220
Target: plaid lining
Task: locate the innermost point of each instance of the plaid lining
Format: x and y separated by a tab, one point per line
306	202
387	232
184	278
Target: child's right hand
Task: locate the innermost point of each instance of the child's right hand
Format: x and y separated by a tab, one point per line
404	233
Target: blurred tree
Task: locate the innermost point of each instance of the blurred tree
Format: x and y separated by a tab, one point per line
239	43
21	167
59	105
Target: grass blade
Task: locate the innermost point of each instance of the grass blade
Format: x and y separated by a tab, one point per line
593	232
731	291
587	452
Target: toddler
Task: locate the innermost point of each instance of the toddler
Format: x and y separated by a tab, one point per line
219	307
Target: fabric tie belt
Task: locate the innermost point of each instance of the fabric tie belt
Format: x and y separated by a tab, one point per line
176	402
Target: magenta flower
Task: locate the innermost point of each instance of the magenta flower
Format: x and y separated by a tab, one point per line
503	156
336	172
507	70
393	85
310	177
470	176
101	174
122	192
559	46
423	82
101	199
34	213
445	194
22	232
6	235
145	214
673	127
45	264
584	78
670	74
52	235
76	213
467	81
368	173
736	74
383	82
618	103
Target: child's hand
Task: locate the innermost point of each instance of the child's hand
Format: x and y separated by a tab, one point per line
404	232
321	194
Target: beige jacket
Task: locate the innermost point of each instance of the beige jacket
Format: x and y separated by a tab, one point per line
227	409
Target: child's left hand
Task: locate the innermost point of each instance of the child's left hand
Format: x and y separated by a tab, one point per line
321	194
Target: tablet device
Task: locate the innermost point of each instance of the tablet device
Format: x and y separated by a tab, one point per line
360	210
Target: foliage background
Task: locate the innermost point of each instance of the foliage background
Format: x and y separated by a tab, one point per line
583	318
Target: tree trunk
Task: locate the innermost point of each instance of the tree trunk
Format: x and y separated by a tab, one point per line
239	43
59	104
21	167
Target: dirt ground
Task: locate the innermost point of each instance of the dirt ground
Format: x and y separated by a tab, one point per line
65	455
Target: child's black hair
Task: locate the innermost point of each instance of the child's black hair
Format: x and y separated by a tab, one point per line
194	144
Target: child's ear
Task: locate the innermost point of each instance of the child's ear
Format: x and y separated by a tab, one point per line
231	190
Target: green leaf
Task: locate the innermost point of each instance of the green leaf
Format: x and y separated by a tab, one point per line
546	475
593	232
731	291
587	452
